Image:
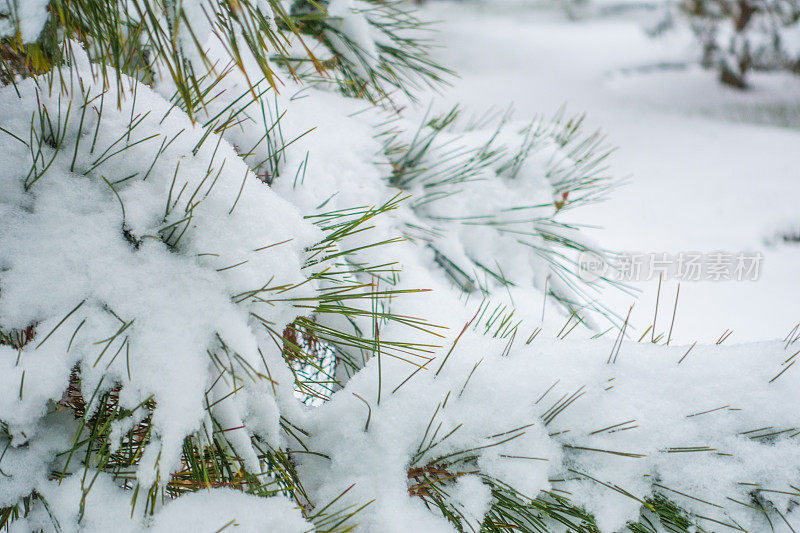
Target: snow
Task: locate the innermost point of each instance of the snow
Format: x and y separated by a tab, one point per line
771	101
148	310
246	513
108	508
160	271
348	21
713	399
31	14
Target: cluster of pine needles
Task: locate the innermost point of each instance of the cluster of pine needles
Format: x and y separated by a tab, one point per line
315	346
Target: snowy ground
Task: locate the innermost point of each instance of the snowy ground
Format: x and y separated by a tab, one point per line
709	169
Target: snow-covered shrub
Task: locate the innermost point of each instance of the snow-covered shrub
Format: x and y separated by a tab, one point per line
735	37
211	312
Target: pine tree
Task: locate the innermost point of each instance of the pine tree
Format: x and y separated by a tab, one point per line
239	287
740	36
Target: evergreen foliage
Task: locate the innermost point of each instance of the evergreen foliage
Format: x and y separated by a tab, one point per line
739	36
196	316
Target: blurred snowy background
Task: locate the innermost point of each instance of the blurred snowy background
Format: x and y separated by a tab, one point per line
709	167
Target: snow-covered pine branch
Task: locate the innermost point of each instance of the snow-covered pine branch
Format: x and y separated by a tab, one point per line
230	297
